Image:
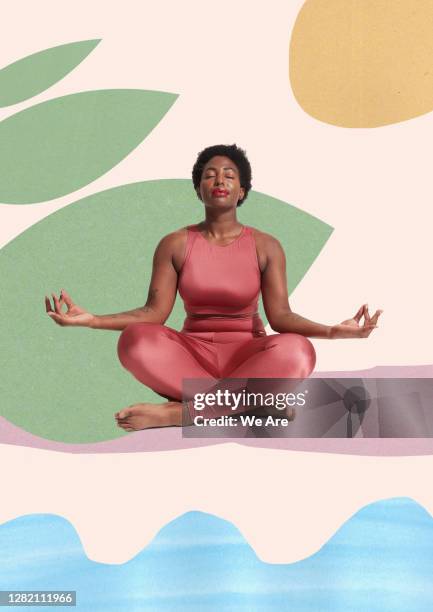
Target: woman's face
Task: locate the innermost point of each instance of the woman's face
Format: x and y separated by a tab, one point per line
220	183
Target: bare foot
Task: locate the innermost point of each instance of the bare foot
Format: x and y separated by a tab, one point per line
143	416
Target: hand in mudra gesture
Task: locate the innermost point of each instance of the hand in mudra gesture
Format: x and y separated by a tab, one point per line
75	315
352	328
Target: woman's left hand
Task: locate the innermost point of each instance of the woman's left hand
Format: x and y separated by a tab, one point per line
352	328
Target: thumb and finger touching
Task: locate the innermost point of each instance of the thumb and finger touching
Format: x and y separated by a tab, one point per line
67	298
371	321
376	316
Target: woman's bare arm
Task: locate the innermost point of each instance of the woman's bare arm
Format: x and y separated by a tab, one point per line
159	303
278	311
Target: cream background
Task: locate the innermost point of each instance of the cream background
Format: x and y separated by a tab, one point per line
286	504
230	66
229	63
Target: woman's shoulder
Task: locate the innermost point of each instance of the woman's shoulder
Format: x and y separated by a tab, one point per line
175	237
175	243
263	239
172	246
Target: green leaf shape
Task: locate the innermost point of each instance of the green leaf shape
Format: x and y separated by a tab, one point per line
59	146
35	73
65	383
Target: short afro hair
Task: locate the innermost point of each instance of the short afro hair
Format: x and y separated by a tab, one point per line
236	154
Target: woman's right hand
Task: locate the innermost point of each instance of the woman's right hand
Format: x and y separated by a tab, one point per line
75	315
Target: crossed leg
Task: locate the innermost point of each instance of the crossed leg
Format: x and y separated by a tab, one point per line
161	358
261	366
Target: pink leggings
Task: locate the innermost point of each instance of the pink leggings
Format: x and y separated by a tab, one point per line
161	357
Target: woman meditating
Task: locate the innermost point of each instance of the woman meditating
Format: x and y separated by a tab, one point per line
220	267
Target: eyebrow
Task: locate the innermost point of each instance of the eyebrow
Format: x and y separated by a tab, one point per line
225	168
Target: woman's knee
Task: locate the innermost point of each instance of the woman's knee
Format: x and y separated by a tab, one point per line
309	356
136	340
298	354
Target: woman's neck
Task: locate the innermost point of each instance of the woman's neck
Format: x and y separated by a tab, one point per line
221	226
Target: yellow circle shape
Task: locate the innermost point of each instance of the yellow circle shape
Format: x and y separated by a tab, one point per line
363	63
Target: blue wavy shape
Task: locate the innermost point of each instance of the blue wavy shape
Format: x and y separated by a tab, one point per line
379	560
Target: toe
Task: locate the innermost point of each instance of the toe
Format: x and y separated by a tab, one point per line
123	413
123	424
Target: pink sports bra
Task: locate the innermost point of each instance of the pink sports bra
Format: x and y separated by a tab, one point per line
220	285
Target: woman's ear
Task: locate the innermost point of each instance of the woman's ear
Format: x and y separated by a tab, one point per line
198	194
241	193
